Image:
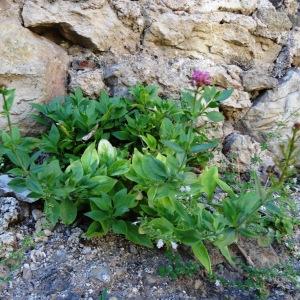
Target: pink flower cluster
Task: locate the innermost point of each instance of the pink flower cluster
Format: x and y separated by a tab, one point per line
201	78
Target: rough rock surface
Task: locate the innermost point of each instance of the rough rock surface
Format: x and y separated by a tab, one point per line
92	24
113	44
275	111
32	65
240	151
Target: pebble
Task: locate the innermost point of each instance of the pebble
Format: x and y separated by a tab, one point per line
47	232
37	214
101	273
37	255
198	284
26	273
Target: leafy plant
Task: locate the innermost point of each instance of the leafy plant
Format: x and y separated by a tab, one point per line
136	166
177	267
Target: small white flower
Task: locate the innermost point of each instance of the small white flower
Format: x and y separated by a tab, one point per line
263	208
174	245
160	243
217	283
182	189
187	188
135	223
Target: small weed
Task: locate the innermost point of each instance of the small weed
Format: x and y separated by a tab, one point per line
13	261
261	280
177	267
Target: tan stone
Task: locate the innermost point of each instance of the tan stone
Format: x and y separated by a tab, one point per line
32	65
96	27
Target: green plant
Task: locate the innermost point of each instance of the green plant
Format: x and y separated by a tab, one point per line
261	280
177	267
135	166
14	259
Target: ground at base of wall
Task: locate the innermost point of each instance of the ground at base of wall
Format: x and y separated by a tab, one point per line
61	264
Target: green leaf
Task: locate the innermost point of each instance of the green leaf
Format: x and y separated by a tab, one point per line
203	147
166	129
54	135
154	168
90	159
224	95
225	187
123	202
18	184
97	215
106	152
34	186
103	184
174	146
77	170
202	255
150	141
208	180
94	230
119	167
188	237
68	211
215	116
122	135
103	202
52	211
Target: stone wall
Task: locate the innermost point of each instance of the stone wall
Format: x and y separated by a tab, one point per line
51	46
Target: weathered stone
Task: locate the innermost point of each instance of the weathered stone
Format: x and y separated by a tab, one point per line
255	80
93	26
237	6
272	23
277	107
11	211
5	190
236	106
295	51
90	81
100	273
240	150
35	67
221	36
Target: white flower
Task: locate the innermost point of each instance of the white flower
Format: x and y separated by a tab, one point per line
217	283
187	188
135	223
182	189
174	245
263	208
160	243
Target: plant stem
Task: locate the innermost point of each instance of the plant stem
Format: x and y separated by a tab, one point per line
7	114
288	157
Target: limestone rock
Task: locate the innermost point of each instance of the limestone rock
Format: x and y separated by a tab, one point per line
272	23
221	36
295	51
279	105
90	81
238	6
35	67
11	211
240	149
173	74
6	190
235	107
90	25
255	80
